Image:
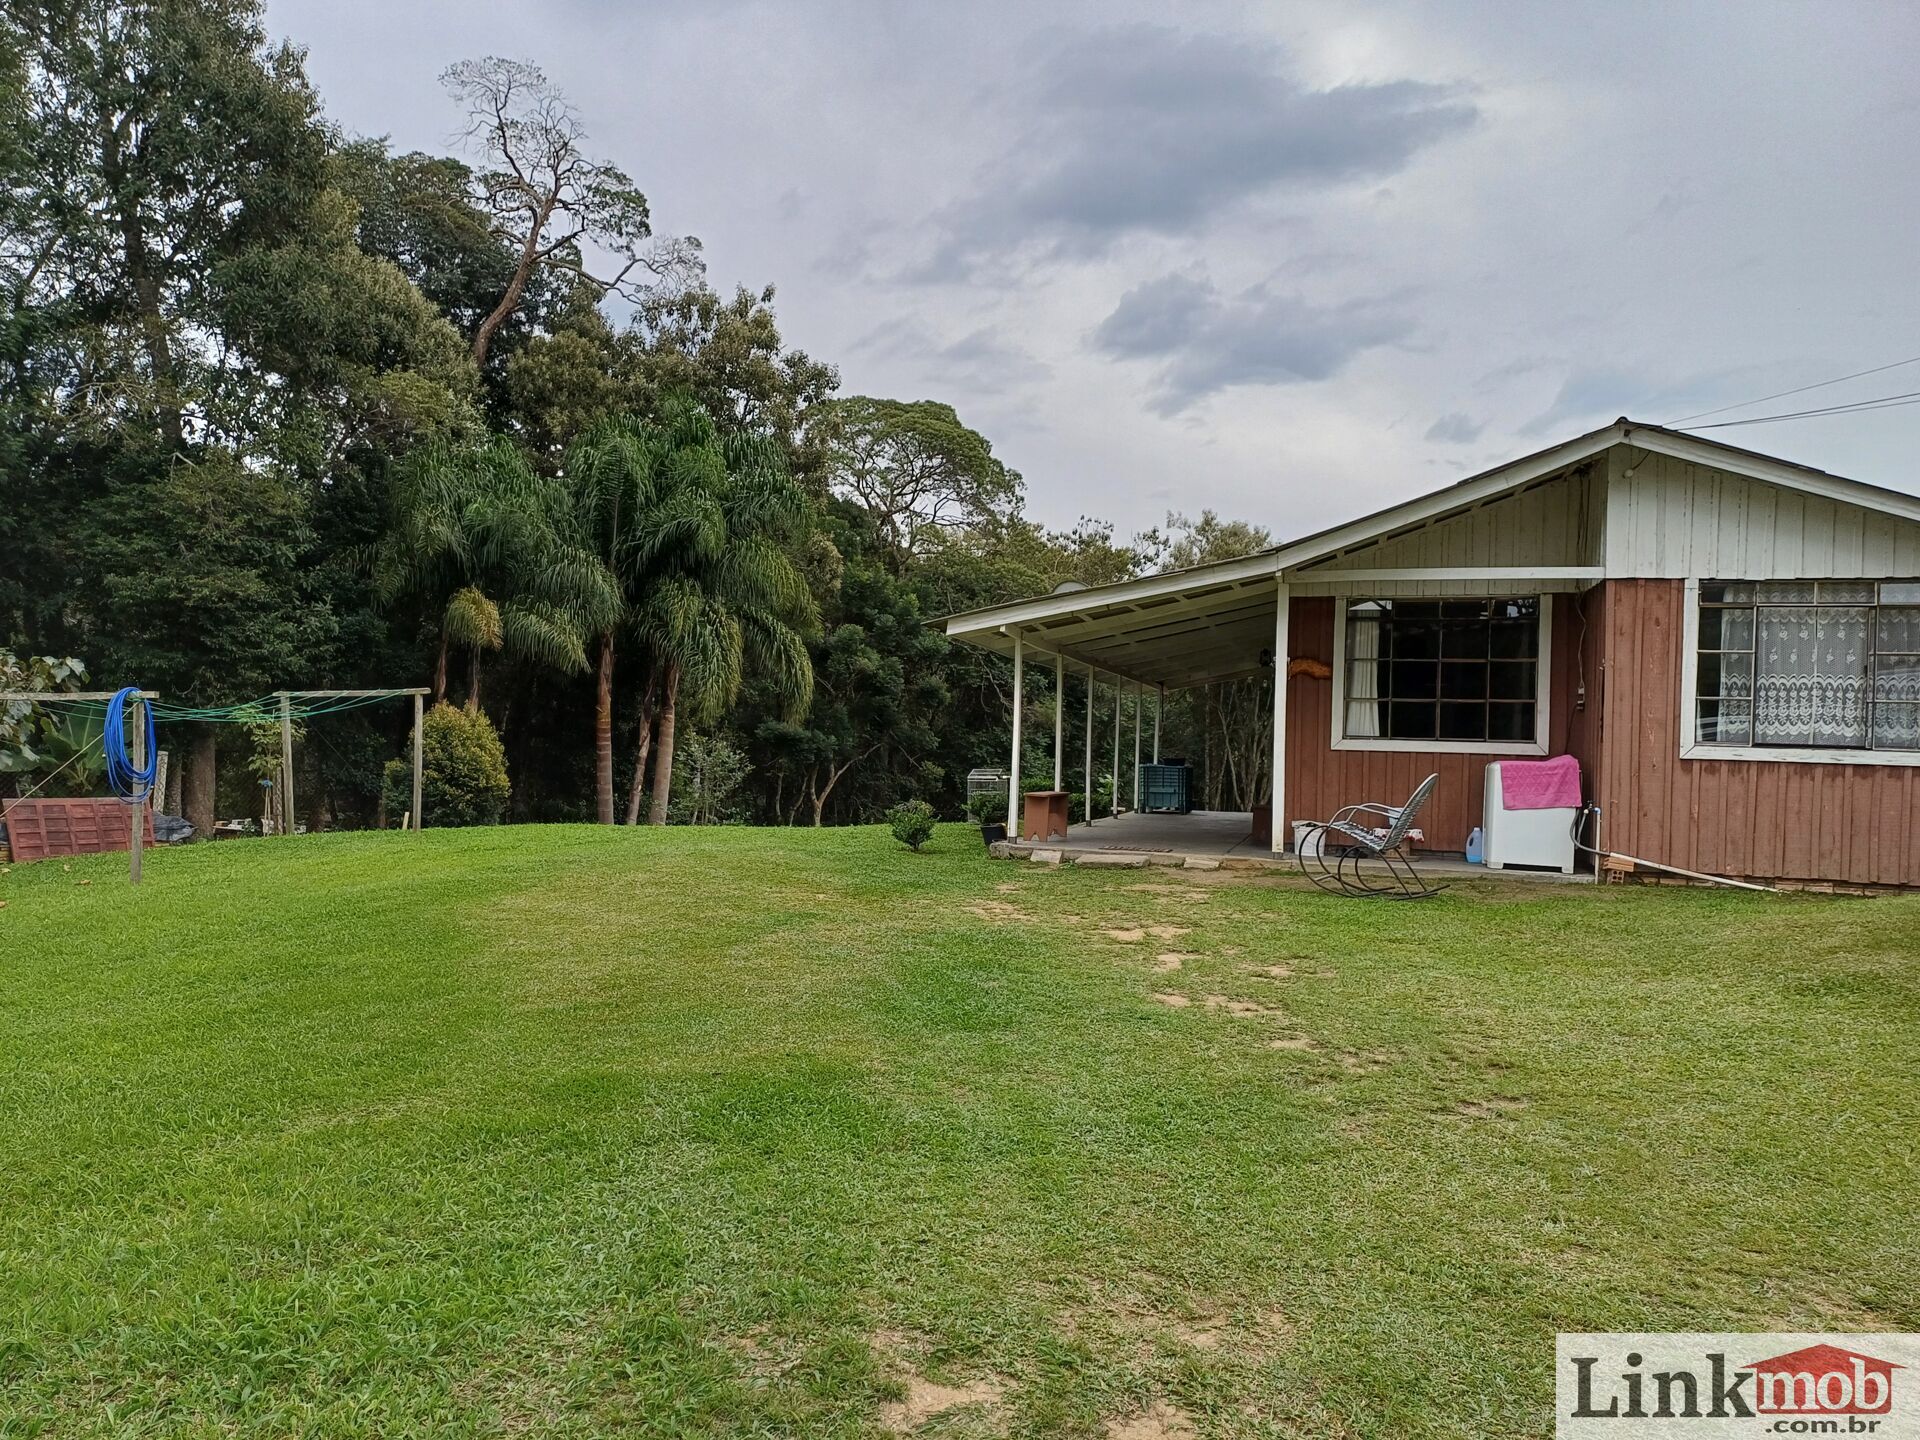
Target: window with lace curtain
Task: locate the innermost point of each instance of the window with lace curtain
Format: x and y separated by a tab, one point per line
1809	664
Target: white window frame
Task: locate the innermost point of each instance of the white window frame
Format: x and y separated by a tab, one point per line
1542	702
1693	748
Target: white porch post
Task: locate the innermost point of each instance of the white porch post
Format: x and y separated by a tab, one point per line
1159	707
1114	799
1059	722
1283	603
1013	774
1089	744
1136	745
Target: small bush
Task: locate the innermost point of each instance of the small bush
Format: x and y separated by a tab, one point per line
463	772
708	773
911	822
987	807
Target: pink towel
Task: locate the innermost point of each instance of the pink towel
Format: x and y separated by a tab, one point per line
1540	784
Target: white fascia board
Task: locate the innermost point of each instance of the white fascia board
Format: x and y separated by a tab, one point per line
1075	602
1526	573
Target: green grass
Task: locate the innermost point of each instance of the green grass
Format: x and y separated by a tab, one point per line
568	1131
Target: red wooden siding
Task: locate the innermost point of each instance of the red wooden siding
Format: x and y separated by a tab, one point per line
1768	820
1321	779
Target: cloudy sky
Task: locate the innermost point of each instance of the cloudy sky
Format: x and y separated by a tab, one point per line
1290	262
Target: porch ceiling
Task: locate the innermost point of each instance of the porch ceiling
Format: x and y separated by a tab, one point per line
1213	632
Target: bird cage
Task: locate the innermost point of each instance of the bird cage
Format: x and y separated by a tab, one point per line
986	780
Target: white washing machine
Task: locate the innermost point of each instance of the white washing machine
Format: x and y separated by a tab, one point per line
1542	839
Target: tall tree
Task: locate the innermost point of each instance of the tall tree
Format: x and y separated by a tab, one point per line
485	543
728	355
547	198
872	733
718	595
189	318
199	593
618	473
914	468
694	529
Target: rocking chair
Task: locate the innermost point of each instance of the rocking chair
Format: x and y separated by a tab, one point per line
1346	843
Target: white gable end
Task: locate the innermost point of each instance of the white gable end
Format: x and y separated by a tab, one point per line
1670	518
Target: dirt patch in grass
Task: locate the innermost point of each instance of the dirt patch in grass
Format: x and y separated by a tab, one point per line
1294	1042
1159	1421
1171	961
999	912
1364	1062
761	1356
1134	934
1199	1333
925	1398
1232	1005
1180	892
1178	1002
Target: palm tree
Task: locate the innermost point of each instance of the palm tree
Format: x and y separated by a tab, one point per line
735	602
616	476
691	528
487	542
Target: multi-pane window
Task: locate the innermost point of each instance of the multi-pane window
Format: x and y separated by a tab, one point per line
1813	664
1442	670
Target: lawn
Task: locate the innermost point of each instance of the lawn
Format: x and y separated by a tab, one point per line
567	1131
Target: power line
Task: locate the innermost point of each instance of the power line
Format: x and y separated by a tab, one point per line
1797	390
1884	402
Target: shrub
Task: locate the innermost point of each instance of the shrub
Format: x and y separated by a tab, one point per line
463	778
911	822
986	807
708	772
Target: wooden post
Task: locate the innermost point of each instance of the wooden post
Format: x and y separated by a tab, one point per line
1089	806
137	837
1019	697
286	763
160	767
418	741
1279	799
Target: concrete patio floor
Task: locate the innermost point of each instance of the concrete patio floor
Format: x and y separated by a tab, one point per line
1227	836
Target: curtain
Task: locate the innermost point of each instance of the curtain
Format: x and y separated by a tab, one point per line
1363	673
1896	679
1810	681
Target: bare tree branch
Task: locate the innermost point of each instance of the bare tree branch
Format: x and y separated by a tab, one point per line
547	198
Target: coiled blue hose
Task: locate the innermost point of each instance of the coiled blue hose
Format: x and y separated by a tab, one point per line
127	782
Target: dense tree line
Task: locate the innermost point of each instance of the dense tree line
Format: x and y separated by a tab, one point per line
282	408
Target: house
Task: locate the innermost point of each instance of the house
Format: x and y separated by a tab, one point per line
1729	644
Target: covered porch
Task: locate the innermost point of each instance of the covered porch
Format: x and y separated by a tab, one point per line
1507	564
1225	838
1209	834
